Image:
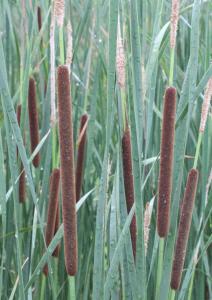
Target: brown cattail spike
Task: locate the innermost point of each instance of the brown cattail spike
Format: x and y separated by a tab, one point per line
57	224
81	154
166	162
184	228
22	186
128	182
39	18
52	209
33	120
67	170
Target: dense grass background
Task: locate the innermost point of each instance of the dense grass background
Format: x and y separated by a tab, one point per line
106	267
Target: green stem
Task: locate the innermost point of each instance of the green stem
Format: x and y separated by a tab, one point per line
191	285
172	294
197	149
61	42
43	285
171	71
159	267
54	147
71	284
123	103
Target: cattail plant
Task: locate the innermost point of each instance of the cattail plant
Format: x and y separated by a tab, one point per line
57	224
67	170
22	185
128	182
52	209
39	18
184	228
81	154
174	22
166	162
206	105
33	120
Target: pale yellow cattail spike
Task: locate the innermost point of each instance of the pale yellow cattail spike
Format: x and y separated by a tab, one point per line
52	68
147	220
174	22
69	51
120	59
59	11
206	105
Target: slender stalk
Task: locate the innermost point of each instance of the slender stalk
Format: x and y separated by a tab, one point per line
171	71
198	149
61	42
159	267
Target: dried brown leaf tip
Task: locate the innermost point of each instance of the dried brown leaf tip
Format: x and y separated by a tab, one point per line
81	154
174	22
206	105
33	120
166	162
67	170
128	182
184	228
52	209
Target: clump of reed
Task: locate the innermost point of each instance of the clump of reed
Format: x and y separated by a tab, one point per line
81	154
67	170
22	184
166	162
128	182
184	228
33	121
52	209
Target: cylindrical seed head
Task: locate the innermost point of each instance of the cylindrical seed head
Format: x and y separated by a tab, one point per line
184	228
67	170
33	120
128	182
166	162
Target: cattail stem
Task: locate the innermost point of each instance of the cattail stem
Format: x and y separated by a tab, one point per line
61	41
166	162
171	71
184	228
52	209
128	182
197	149
33	120
67	170
159	267
57	224
81	154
